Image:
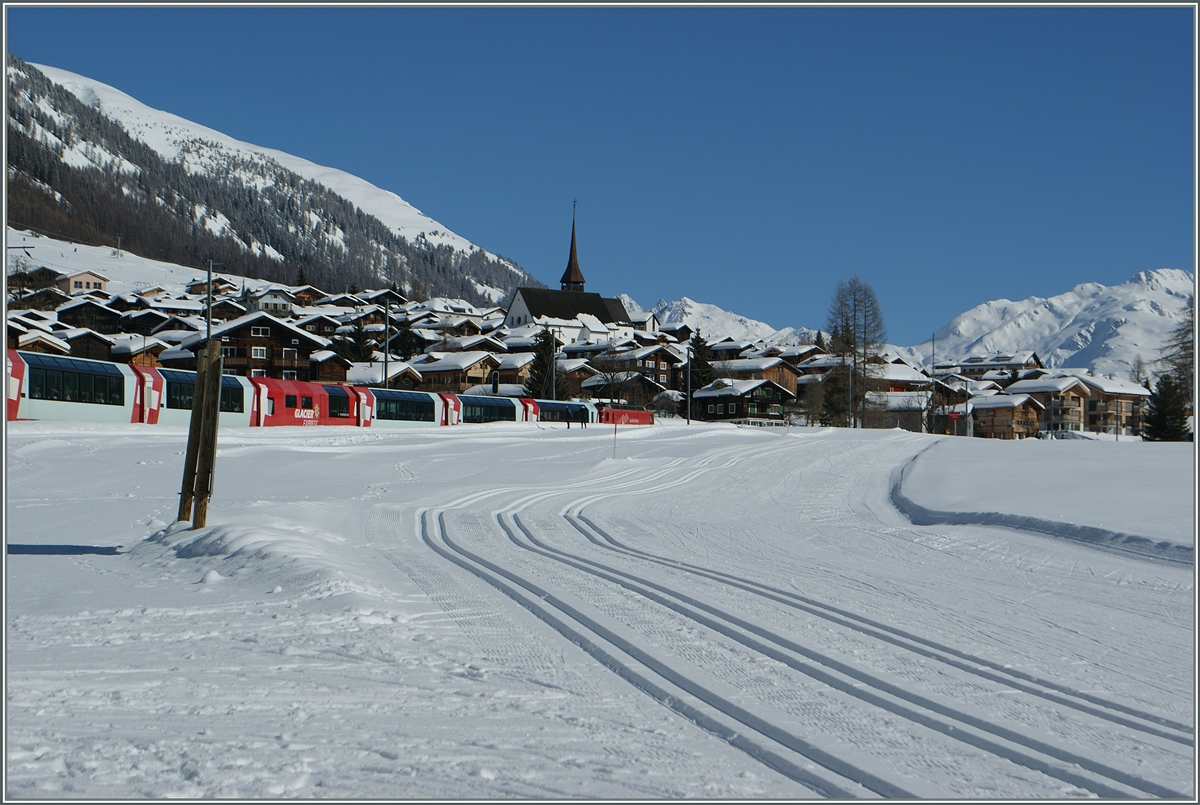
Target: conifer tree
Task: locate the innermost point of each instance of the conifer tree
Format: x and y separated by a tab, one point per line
405	342
1166	413
545	382
358	348
700	368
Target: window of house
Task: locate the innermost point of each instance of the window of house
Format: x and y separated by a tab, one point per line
228	352
258	372
295	340
720	408
753	408
662	378
78	283
258	352
312	328
263	332
710	408
733	408
289	375
775	409
290	354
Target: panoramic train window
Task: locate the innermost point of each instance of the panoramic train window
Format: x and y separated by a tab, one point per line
181	386
72	380
488	409
339	401
409	407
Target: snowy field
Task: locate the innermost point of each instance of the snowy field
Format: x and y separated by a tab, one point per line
508	611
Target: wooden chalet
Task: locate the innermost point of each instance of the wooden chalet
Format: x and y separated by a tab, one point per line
726	399
260	345
1006	416
455	372
90	314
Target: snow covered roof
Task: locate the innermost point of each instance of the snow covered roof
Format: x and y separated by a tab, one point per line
729	387
515	360
1003	401
739	365
452	361
241	321
504	389
371	374
43	337
133	344
1048	385
1109	385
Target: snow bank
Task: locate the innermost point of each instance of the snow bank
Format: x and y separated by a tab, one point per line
1122	495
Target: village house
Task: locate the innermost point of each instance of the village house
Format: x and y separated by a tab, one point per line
515	368
1062	400
1006	416
90	314
199	287
272	299
726	399
777	370
621	388
137	349
88	344
82	281
143	322
895	409
260	345
1011	363
401	375
1115	406
455	372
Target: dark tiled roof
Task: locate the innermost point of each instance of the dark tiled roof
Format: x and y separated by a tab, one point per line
569	304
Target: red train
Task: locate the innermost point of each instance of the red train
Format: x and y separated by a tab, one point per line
54	387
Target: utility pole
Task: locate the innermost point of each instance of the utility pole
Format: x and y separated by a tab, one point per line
689	371
208	306
387	347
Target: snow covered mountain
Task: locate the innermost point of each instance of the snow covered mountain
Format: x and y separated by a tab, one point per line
716	323
1092	326
266	206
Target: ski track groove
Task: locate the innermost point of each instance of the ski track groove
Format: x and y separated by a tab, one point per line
679	624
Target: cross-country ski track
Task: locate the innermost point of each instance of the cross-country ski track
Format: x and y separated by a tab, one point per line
764	588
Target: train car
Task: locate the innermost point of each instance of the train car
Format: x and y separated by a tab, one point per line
285	403
42	386
405	409
177	389
476	409
574	411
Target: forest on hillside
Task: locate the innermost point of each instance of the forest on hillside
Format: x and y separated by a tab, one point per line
250	214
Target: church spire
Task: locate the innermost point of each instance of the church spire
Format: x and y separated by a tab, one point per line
572	278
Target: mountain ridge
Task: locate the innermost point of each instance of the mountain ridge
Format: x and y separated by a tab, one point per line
90	162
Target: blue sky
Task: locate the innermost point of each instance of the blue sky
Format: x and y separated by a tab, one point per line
748	158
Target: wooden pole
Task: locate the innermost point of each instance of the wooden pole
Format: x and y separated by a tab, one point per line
206	461
187	491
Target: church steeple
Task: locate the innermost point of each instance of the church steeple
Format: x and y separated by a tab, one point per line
572	278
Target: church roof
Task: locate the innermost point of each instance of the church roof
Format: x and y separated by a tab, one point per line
569	304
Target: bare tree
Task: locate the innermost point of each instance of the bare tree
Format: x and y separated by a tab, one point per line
855	324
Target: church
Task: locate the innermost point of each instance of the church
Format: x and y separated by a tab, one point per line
531	304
